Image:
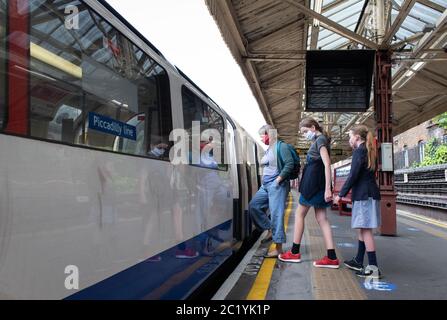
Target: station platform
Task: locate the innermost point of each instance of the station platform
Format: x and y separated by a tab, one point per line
412	263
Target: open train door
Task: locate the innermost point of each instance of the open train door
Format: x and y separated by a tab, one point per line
234	174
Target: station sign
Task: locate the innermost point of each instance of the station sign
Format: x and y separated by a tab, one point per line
111	126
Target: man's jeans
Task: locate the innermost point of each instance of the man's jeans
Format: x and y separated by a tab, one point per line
273	196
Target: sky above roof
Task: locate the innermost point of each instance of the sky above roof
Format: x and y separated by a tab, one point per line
188	37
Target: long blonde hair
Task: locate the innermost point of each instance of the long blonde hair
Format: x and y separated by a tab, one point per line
309	122
367	136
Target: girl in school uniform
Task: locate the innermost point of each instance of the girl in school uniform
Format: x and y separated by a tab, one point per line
316	192
365	197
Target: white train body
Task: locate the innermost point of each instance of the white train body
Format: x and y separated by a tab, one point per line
81	221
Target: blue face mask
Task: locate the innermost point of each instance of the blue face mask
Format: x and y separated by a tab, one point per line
310	135
158	152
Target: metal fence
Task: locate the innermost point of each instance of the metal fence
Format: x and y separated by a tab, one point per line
425	186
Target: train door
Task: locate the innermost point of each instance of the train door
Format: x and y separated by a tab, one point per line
234	174
258	171
252	178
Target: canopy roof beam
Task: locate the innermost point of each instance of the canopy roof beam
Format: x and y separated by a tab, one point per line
403	13
230	16
333	26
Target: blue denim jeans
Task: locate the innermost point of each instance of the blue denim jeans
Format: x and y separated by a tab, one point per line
272	196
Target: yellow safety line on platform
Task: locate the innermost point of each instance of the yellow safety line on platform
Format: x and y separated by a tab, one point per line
423	226
262	281
422	218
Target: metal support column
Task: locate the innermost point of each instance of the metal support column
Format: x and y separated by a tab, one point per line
383	113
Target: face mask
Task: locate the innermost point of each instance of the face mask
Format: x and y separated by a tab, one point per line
158	152
310	135
266	139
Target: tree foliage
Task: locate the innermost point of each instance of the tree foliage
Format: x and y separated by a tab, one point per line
435	153
441	120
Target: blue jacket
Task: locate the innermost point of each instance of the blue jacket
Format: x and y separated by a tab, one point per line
360	179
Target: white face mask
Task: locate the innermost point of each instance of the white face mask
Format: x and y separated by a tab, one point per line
310	135
158	152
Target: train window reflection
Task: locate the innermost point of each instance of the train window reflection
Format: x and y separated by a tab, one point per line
91	86
211	123
62	126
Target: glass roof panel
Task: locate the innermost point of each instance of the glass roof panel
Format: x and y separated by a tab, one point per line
417	19
326	2
413	25
335	44
346	14
440	2
402	33
345	6
355	8
426	13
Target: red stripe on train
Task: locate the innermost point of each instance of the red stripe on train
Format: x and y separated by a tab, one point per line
18	65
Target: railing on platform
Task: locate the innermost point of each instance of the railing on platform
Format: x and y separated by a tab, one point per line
426	186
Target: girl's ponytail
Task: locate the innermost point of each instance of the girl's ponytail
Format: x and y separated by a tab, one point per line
368	137
372	151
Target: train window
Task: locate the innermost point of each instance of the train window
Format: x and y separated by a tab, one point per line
211	124
2	62
90	85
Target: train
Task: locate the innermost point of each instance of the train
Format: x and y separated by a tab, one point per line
91	205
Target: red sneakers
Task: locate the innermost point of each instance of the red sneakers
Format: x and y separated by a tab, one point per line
290	257
186	254
327	263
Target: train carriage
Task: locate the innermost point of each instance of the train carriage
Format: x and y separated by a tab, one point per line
90	205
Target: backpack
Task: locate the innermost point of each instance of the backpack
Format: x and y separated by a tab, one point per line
296	160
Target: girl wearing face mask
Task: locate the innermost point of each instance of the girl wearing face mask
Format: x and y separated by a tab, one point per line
365	197
315	189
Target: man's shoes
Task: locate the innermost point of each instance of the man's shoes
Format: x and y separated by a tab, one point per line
271	254
265	240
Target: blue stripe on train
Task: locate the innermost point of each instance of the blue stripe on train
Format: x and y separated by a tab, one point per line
170	277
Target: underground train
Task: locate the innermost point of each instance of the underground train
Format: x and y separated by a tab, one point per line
91	207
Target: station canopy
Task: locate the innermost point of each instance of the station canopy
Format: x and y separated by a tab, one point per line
269	39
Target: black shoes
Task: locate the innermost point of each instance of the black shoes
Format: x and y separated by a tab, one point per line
369	272
353	265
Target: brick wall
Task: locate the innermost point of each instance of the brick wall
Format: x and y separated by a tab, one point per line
411	138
